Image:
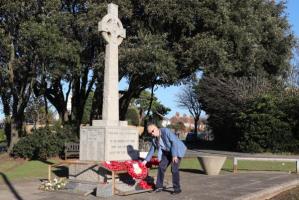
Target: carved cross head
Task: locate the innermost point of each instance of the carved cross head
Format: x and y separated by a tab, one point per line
111	27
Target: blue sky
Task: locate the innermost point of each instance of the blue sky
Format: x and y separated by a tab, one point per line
167	96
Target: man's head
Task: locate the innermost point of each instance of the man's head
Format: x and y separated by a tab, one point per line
153	130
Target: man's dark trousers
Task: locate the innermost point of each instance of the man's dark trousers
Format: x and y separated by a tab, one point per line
166	160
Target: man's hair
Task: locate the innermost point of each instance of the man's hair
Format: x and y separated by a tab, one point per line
151	125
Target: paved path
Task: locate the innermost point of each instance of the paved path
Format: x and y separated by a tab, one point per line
195	186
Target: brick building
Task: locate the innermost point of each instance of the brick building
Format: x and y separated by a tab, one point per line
188	122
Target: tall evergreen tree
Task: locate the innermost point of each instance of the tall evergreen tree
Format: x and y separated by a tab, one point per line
17	72
245	50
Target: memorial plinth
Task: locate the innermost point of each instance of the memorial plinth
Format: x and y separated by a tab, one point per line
106	143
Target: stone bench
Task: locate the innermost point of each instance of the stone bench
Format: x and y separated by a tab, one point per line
236	159
71	150
211	164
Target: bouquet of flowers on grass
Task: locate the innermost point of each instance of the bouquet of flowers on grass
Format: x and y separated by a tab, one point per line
56	184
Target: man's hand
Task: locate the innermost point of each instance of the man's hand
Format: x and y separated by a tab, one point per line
175	159
144	162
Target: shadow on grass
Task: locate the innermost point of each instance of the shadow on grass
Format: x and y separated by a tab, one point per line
11	187
61	171
195	171
47	162
227	170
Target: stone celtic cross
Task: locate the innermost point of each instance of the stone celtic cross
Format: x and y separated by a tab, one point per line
113	32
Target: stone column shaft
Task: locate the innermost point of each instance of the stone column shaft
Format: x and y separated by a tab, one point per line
111	97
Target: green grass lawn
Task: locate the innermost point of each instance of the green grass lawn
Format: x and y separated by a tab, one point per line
31	169
16	170
192	165
266	166
245	165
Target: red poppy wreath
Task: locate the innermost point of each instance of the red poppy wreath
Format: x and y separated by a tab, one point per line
137	170
115	165
145	185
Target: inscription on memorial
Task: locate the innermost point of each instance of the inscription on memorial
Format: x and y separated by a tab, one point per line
92	143
121	146
92	136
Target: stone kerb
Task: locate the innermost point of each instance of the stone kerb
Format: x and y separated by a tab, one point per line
211	164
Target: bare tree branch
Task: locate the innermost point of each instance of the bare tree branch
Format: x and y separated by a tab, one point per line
189	100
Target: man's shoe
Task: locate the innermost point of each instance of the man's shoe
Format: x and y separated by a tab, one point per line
158	190
176	192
